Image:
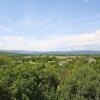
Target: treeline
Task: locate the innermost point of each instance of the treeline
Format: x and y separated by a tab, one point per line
49	77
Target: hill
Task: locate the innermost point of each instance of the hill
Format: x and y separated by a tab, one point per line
74	52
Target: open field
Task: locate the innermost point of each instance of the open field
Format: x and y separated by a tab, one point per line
45	77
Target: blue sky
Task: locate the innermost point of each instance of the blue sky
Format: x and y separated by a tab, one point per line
50	24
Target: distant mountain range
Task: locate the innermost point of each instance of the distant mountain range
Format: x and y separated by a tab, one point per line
74	52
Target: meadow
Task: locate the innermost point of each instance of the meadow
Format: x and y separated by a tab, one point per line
49	77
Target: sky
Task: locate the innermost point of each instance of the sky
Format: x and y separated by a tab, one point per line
50	25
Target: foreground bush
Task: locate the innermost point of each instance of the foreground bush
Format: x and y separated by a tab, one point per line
82	84
42	78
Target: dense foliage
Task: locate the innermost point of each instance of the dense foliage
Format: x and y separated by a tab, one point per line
49	77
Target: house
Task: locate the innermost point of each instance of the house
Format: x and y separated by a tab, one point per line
91	60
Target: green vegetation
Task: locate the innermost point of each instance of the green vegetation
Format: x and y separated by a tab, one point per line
45	77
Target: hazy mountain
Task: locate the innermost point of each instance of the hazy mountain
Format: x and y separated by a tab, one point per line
50	52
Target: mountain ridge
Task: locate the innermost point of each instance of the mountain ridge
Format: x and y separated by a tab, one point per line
51	52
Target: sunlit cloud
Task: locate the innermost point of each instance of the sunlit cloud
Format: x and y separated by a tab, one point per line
86	41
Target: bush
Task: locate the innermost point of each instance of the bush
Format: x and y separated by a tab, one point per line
82	84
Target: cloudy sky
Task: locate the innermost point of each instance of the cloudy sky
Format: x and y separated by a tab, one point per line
50	25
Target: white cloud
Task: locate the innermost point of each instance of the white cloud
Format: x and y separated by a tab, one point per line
85	0
86	41
32	22
5	29
43	25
